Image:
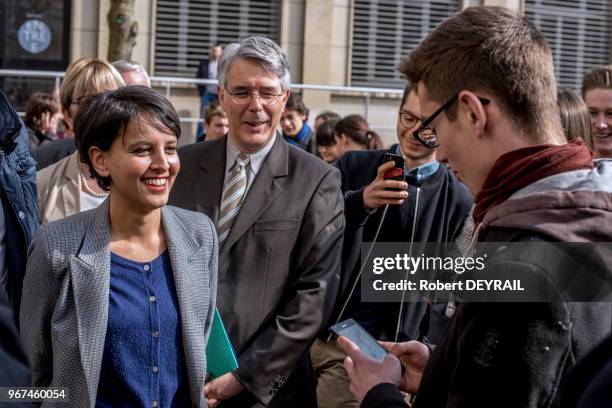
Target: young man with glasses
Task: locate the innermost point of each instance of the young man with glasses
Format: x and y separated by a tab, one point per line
279	216
430	206
487	91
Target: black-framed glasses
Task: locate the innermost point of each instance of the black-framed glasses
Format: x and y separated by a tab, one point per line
426	134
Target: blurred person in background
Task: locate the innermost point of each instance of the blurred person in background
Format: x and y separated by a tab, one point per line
597	94
132	73
325	116
575	117
208	93
216	124
67	187
42	117
351	133
118	301
326	140
296	130
84	77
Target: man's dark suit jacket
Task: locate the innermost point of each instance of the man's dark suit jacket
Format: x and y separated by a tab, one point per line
279	267
51	153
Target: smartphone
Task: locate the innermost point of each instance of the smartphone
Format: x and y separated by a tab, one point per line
397	172
354	332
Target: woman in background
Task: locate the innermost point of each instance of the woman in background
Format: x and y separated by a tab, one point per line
575	117
67	187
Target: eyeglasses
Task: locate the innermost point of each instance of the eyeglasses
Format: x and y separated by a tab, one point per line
265	98
426	134
80	100
407	119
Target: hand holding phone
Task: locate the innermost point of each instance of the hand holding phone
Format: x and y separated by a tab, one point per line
354	332
397	172
389	186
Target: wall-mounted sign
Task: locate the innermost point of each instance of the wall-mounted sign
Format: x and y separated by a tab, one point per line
34	36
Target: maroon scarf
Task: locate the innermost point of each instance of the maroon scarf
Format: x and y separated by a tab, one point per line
519	168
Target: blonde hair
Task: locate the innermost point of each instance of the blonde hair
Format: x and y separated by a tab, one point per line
88	75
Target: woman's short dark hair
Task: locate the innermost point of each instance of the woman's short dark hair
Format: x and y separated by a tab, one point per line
326	135
106	116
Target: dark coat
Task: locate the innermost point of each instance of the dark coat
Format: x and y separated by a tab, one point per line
279	267
516	354
589	383
444	204
52	152
18	196
202	73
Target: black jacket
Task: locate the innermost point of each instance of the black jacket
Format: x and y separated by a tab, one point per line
18	197
52	152
444	204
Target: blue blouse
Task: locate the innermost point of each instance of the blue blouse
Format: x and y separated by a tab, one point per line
143	363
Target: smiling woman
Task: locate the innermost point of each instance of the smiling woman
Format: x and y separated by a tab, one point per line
133	328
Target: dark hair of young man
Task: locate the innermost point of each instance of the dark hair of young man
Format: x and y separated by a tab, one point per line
294	102
493	51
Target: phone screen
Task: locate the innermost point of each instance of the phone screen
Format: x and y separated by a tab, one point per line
358	335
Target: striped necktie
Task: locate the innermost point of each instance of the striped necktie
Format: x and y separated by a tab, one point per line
233	194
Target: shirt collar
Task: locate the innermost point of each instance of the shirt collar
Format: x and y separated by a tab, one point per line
256	159
420	173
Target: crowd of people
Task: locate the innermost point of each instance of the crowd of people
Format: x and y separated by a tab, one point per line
116	255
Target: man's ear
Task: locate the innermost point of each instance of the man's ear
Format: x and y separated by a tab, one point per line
473	110
220	93
99	161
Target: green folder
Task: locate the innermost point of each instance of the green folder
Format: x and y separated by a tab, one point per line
220	356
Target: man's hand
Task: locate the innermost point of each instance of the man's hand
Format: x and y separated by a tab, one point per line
414	357
365	373
222	388
377	193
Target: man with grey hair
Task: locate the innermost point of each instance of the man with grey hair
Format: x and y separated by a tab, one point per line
280	221
132	73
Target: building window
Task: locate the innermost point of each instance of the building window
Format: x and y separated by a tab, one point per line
185	29
384	30
578	32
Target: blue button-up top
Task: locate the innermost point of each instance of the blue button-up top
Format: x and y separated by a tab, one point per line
143	363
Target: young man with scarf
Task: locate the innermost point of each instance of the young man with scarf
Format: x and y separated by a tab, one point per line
295	129
487	88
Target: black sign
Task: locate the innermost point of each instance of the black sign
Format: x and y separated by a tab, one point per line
36	34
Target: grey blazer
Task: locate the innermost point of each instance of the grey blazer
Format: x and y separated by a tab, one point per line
279	267
64	311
